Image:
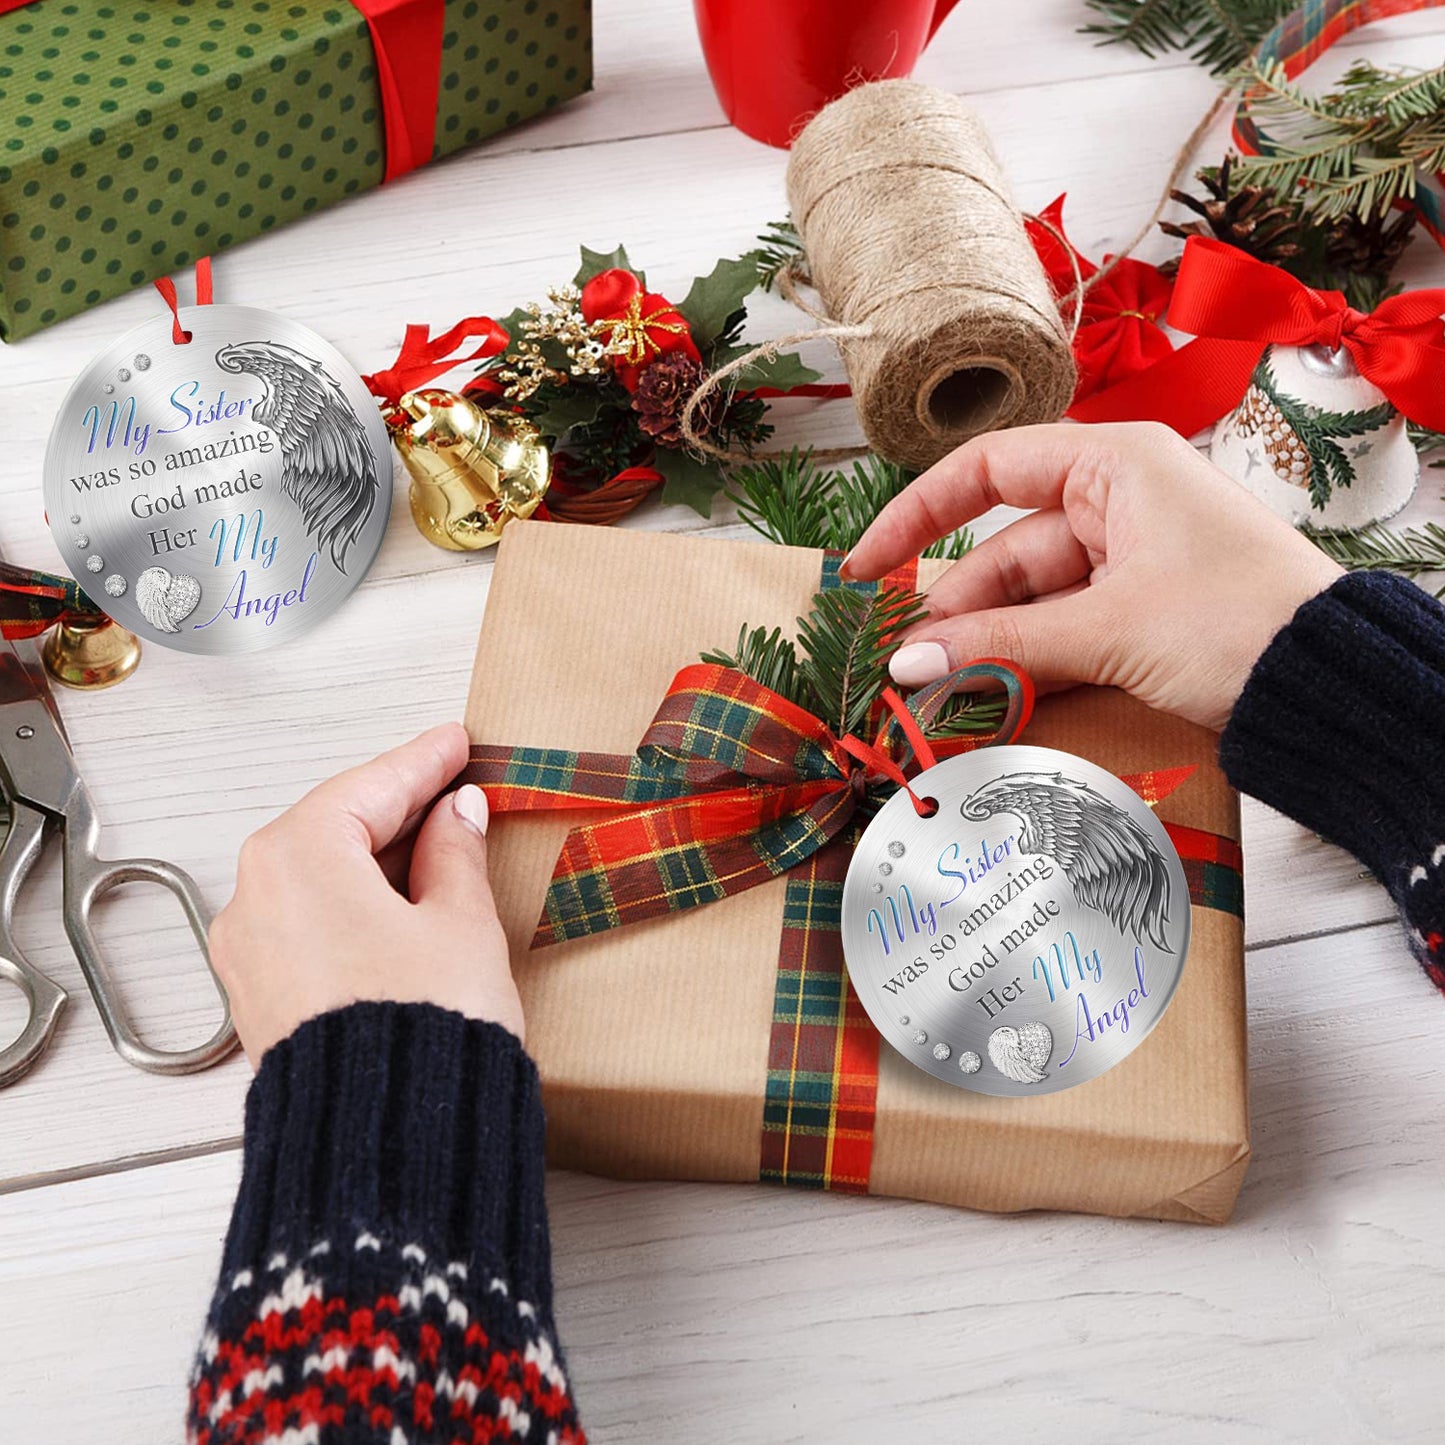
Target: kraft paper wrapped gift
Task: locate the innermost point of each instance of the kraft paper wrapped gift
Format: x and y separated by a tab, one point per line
655	1040
143	134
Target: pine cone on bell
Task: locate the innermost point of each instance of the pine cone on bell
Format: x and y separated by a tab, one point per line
1249	217
663	391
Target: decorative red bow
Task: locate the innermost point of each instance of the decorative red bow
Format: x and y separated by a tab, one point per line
1237	306
424	357
1119	332
642	324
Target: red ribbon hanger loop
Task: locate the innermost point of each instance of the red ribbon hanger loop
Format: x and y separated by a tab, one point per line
204	295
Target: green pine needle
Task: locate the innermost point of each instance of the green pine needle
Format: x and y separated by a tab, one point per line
1219	34
768	658
837	669
846	641
1355	151
1411	552
778	247
789	499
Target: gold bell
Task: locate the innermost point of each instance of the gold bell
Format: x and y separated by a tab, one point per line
472	470
90	653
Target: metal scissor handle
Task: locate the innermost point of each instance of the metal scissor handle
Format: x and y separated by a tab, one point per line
21	847
89	878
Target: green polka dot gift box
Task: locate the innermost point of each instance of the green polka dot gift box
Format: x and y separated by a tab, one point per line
136	137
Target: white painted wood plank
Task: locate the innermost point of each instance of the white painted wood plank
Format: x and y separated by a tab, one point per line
752	1314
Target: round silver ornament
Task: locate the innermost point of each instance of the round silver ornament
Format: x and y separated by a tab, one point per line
1035	927
235	488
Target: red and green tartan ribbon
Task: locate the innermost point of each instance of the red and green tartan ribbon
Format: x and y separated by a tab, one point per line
1296	42
31	602
736	786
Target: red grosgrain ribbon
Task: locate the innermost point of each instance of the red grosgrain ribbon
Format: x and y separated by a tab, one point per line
31	602
205	292
1237	306
423	357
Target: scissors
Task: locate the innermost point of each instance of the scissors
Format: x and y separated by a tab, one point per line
46	794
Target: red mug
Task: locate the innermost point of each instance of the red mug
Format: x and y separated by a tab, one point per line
776	63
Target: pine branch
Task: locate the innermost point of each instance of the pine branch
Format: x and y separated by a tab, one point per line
791	500
1219	34
1411	552
846	640
967	714
778	247
842	671
1426	441
1354	151
771	659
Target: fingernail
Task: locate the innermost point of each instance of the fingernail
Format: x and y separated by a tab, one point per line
469	803
918	663
844	571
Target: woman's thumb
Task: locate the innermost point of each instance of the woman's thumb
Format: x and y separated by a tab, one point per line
449	861
1056	643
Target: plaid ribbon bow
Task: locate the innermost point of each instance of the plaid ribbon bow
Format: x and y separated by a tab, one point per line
31	601
737	784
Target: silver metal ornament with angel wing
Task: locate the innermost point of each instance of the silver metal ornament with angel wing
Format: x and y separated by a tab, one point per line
1027	933
1110	861
328	467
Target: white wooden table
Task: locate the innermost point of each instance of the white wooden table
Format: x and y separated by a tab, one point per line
692	1312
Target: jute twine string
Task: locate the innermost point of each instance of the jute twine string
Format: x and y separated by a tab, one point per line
931	288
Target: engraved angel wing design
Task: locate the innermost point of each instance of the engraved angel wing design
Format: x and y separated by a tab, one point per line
1110	861
327	466
1021	1053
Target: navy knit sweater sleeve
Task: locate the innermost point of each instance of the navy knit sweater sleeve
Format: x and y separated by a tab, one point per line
387	1275
1342	726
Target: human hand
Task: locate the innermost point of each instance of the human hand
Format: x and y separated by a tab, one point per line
1144	567
316	924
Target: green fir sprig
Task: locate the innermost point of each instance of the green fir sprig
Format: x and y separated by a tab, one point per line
778	247
790	499
1354	151
1411	552
1219	34
838	666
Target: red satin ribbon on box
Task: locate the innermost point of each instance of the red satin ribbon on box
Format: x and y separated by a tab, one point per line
407	38
1236	307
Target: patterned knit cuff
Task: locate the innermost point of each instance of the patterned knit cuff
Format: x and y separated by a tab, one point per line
405	1121
1339	727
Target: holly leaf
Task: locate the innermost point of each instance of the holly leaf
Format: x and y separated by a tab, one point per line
688	481
713	298
557	409
594	263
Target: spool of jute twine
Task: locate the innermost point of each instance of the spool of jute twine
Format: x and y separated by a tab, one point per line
947	324
933	293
